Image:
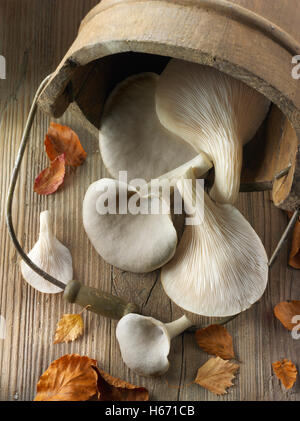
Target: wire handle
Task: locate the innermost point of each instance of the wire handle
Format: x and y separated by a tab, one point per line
284	236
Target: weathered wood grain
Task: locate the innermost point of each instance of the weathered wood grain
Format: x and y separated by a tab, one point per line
34	35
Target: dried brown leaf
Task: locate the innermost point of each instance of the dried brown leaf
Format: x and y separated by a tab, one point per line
216	340
285	312
216	375
76	378
294	259
113	389
286	372
70	378
49	180
69	328
61	139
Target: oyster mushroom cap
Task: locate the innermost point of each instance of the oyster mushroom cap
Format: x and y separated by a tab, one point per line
145	342
136	243
214	113
220	267
131	136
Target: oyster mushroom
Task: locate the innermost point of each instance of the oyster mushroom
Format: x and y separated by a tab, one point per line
220	267
50	255
131	136
214	113
145	342
139	242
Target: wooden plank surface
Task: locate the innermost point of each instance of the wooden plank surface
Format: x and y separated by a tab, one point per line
34	35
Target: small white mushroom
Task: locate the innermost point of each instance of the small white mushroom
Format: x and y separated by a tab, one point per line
51	256
133	242
220	267
131	136
145	342
214	113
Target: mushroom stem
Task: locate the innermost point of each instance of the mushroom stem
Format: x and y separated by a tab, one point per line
228	166
200	165
45	224
178	326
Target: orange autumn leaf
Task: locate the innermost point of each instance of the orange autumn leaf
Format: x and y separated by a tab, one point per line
216	340
69	328
286	372
70	378
49	180
294	258
113	389
285	312
76	378
61	139
216	375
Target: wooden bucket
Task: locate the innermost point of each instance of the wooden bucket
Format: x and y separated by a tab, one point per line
254	41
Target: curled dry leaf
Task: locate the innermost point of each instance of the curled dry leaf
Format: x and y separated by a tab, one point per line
216	340
294	259
69	328
76	378
285	312
70	378
113	389
286	372
216	375
49	180
61	139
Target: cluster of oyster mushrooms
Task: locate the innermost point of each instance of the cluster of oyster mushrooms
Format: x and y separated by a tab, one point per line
178	126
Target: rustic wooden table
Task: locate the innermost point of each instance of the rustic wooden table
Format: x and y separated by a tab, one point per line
34	35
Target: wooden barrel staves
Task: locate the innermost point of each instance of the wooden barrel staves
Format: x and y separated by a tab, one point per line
253	41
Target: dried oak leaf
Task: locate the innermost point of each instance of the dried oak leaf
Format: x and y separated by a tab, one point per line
216	340
285	312
69	328
294	259
49	180
61	139
216	375
286	372
70	378
113	389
